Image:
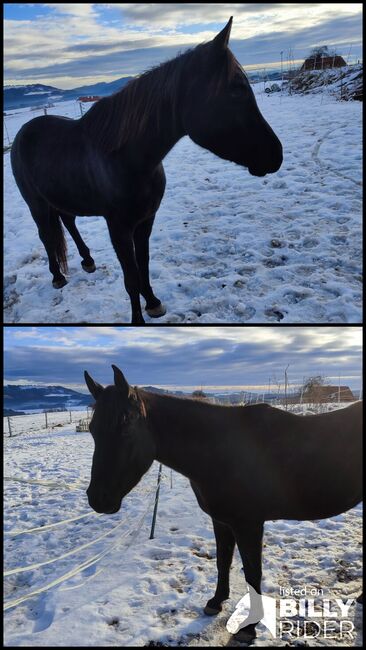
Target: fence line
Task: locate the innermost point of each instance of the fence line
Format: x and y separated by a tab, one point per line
293	398
17	424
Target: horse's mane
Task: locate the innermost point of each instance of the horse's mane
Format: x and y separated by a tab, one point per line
115	120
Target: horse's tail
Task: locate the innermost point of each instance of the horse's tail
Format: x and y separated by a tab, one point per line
60	243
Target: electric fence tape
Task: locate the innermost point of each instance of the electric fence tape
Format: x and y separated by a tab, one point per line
84	565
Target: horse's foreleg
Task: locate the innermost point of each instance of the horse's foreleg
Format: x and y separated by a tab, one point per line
225	544
84	252
123	244
248	537
141	239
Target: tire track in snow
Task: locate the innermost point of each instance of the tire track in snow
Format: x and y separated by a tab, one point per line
318	161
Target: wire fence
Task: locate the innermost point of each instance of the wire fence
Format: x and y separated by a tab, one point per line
15	425
295	397
289	394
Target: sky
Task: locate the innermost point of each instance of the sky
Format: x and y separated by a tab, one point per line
69	45
182	357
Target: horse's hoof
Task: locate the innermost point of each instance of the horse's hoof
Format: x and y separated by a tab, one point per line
156	312
212	611
88	268
246	634
58	284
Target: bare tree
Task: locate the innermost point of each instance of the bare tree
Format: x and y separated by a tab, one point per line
312	389
199	394
319	51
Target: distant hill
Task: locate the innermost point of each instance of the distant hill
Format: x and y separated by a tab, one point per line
10	413
42	398
31	95
17	398
152	389
39	94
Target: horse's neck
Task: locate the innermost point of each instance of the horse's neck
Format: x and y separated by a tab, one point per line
174	432
156	142
163	128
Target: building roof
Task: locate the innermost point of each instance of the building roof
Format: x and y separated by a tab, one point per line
323	62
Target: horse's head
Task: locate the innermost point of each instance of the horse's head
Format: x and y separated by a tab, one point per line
220	112
123	449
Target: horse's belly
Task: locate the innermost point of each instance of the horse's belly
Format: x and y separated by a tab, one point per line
313	504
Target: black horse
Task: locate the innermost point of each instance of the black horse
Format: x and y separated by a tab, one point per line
109	161
272	464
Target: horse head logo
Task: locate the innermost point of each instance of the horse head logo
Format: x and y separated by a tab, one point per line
253	608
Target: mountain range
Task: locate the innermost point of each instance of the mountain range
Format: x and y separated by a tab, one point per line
23	398
39	94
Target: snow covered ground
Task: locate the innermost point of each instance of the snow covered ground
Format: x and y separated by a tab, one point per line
226	246
111	585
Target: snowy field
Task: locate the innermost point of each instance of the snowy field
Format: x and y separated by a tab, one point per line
97	580
226	246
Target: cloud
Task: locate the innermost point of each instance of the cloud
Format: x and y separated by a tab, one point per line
186	356
104	41
73	9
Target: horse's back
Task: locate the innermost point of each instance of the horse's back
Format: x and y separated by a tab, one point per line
327	476
42	134
302	467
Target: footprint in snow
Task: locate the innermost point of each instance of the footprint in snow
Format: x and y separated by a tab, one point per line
42	612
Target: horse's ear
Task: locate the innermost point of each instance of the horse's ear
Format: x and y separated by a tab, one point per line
120	381
94	388
221	41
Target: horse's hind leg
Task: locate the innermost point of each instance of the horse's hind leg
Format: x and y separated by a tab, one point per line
52	236
225	544
141	240
87	262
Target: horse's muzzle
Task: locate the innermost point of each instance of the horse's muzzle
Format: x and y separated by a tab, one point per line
102	504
